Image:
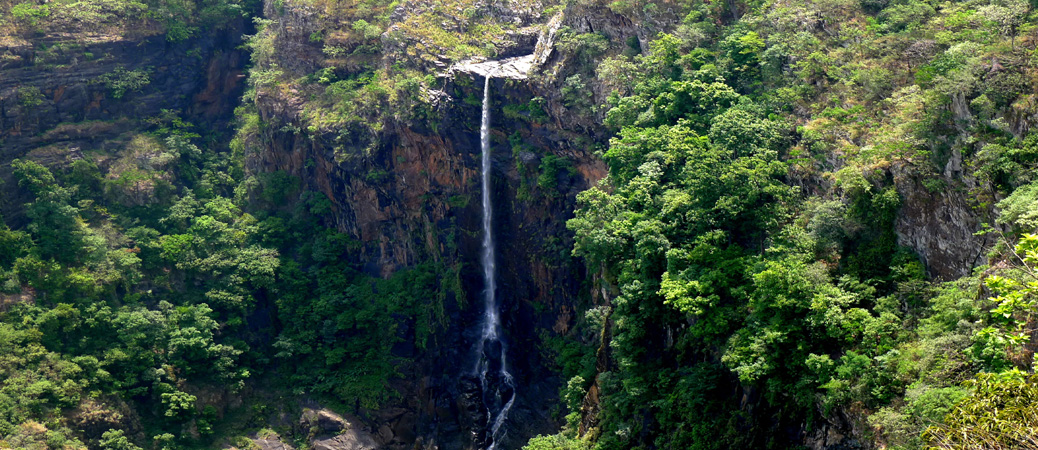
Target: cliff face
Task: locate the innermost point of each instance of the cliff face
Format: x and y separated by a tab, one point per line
939	226
417	198
414	197
62	94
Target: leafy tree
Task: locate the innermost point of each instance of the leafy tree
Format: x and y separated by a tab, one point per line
179	405
555	442
55	225
116	440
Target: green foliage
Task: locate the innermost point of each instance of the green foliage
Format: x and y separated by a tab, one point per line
110	315
584	46
529	112
556	442
30	96
367	30
13	245
751	259
924	406
901	16
999	412
116	440
551	168
348	352
55	226
679	224
184	19
29	13
1019	208
1014	307
743	52
208	244
121	81
808	301
105	11
179	405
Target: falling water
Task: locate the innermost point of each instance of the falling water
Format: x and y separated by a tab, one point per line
495	380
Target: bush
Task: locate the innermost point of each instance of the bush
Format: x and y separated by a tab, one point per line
121	81
30	96
556	442
1020	209
30	14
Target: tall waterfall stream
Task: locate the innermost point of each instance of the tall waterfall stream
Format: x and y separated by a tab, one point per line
496	382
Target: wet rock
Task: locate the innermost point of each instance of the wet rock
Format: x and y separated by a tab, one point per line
470	403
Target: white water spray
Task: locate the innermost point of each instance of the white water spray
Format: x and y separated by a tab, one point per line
495	380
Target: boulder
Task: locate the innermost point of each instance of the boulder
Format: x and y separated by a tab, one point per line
324	420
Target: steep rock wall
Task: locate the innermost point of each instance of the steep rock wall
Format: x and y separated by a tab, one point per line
940	226
54	105
414	197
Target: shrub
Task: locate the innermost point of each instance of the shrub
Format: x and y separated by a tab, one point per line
30	96
30	14
121	81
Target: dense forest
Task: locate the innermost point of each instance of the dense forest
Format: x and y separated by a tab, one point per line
774	224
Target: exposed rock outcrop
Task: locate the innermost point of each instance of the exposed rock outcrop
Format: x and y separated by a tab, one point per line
330	431
270	442
517	68
940	227
349	440
62	85
323	421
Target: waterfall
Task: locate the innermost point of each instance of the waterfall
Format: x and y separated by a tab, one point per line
495	381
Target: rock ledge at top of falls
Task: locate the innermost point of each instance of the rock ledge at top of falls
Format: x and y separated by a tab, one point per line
517	68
